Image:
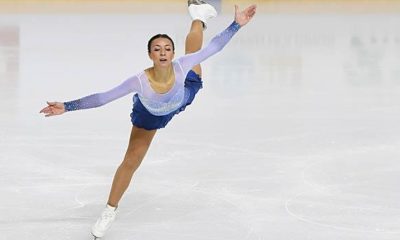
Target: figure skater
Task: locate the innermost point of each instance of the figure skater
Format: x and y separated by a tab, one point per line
161	92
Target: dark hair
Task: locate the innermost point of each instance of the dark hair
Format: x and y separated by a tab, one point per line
159	36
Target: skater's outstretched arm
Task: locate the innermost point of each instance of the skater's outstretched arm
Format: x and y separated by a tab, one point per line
132	84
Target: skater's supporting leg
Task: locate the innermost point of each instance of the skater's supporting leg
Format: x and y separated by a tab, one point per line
139	143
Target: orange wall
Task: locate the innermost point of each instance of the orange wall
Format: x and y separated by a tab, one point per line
179	6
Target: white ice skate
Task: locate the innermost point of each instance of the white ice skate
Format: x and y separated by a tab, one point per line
201	10
104	222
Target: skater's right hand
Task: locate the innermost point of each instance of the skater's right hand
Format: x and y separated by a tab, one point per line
53	108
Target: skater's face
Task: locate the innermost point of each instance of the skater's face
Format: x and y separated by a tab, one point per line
161	52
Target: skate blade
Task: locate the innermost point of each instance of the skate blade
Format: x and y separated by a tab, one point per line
95	238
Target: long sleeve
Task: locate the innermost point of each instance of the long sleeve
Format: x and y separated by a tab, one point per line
132	84
216	44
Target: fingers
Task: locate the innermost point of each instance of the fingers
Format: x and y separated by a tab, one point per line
244	16
50	109
50	112
251	10
46	110
236	11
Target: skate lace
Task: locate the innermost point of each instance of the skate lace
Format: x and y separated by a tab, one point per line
107	216
196	2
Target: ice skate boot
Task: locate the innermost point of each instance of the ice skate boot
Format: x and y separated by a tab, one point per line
201	10
104	222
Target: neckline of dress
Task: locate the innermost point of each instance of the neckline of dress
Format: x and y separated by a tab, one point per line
153	90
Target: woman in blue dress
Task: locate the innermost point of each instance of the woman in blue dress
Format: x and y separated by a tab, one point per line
160	92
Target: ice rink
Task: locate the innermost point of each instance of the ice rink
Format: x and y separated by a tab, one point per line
295	135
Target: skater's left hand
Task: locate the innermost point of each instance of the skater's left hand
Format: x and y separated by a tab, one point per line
243	17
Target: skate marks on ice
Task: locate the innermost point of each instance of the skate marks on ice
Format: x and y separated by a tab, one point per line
43	197
352	191
176	195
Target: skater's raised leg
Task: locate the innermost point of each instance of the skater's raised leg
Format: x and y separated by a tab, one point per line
201	12
194	41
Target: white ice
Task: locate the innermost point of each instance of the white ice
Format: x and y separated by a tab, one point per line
294	136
